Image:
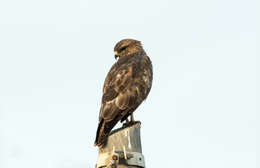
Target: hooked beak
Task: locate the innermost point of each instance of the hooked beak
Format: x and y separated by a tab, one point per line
116	55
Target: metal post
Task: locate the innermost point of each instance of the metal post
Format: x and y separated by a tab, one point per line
123	149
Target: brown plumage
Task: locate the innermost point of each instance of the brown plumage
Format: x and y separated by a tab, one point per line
127	84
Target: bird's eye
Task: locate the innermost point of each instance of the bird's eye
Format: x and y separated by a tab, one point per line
122	49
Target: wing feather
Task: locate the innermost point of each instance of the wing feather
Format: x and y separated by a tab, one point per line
126	87
117	94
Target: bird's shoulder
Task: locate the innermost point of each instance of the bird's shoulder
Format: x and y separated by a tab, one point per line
121	70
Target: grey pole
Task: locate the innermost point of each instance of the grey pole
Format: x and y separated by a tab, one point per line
123	149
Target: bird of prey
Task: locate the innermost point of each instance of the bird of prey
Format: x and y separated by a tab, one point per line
127	84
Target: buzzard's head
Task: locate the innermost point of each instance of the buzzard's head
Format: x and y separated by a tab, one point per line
127	47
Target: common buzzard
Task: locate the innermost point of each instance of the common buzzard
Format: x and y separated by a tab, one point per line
127	84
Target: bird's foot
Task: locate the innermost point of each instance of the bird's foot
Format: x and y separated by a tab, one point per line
129	123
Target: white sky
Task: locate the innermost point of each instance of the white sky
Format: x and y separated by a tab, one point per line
55	54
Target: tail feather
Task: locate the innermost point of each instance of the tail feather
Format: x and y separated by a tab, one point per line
100	125
104	128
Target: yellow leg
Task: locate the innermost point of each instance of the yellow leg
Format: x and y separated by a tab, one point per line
132	117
